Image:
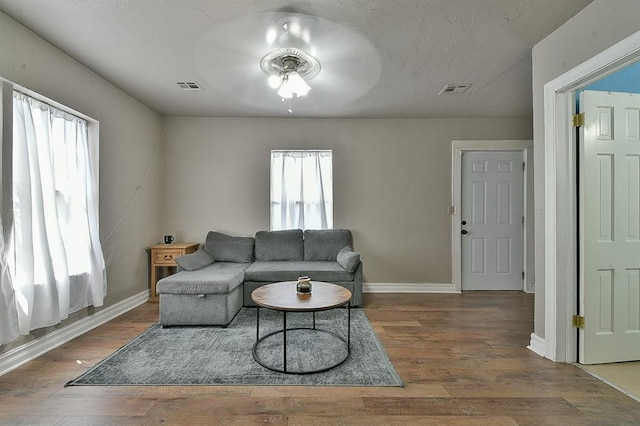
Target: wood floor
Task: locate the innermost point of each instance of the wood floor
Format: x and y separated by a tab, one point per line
463	359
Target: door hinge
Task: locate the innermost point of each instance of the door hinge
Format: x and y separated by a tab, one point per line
524	165
523	275
577	321
578	120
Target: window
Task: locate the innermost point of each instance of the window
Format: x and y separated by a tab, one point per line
301	190
55	257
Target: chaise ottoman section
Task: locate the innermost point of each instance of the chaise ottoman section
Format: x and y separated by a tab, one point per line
211	295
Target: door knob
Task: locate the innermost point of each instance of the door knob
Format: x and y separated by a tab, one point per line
464	232
464	222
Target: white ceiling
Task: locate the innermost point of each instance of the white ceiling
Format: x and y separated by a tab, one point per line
379	58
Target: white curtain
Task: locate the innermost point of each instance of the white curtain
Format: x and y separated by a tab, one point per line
301	190
8	312
55	256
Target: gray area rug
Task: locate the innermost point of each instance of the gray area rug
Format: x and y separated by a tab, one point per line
223	356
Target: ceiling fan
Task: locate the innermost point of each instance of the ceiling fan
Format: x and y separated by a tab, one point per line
263	58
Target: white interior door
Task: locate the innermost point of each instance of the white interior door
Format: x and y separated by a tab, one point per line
492	220
610	227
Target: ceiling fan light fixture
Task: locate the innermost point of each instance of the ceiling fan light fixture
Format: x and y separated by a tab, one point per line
293	85
285	91
274	81
289	69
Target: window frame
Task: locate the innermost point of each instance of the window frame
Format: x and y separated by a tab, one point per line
329	204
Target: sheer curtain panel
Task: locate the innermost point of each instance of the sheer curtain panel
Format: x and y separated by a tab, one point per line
8	312
55	256
301	190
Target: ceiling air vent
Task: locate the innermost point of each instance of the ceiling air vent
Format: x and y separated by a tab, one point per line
191	86
454	89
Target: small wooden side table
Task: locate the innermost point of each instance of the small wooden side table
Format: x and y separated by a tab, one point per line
164	256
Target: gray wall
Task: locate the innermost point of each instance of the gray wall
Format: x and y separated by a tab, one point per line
129	133
392	182
596	28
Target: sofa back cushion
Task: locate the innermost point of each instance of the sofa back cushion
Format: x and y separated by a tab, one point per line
324	244
279	245
224	248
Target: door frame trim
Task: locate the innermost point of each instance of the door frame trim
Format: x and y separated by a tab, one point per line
560	233
457	148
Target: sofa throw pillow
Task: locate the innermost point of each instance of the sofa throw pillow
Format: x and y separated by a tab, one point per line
348	259
194	261
224	248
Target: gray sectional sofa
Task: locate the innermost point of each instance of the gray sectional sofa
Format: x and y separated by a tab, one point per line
213	283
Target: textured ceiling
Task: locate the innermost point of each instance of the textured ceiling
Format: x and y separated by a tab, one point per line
379	58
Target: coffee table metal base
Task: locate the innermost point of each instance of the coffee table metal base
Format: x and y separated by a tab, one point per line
285	330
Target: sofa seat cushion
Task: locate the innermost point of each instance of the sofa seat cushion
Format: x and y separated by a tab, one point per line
329	271
217	278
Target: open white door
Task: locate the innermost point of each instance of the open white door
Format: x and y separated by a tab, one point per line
610	227
492	220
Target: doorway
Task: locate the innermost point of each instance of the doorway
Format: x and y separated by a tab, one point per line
561	230
485	260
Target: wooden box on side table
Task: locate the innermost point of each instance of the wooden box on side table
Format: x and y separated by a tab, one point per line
164	256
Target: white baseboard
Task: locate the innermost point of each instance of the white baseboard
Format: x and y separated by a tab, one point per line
31	350
537	345
409	288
